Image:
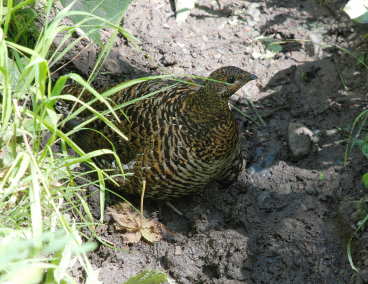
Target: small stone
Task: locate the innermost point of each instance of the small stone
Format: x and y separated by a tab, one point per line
86	59
168	60
254	14
331	132
314	47
112	66
300	140
178	250
311	190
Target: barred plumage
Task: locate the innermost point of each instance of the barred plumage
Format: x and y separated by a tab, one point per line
180	139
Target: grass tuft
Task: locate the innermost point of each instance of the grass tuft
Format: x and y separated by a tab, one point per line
42	208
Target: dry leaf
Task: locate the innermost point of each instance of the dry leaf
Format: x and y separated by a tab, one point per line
132	237
134	225
126	217
151	230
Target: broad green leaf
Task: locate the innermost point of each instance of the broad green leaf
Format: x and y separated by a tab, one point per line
271	47
363	19
357	10
110	10
365	180
274	47
13	73
52	117
365	149
271	44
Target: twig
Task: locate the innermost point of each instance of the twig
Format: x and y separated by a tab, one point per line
251	105
245	115
176	210
142	195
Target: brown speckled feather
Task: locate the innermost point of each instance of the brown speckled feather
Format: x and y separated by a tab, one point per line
180	139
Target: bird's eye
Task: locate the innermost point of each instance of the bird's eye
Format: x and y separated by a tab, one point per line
231	79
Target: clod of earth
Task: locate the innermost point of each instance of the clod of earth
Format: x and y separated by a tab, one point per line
300	140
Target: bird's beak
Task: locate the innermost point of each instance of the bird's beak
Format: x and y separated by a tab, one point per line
253	77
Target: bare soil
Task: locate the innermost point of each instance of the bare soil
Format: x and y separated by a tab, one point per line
287	219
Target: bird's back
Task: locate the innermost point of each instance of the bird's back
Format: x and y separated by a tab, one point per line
177	142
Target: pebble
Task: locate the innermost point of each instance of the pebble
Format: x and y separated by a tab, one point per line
300	140
315	46
178	250
254	14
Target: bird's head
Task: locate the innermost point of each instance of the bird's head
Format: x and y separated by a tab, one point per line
225	81
211	101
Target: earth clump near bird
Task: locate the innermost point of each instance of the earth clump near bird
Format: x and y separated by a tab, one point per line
180	139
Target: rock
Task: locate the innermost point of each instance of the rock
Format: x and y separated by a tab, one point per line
168	59
300	140
314	47
86	60
253	14
178	250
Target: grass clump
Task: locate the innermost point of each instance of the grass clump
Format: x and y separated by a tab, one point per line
45	221
40	240
358	138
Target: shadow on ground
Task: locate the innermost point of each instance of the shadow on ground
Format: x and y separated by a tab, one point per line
282	221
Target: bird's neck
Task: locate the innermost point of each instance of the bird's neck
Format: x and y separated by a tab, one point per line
204	106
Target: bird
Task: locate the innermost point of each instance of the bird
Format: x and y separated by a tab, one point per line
180	139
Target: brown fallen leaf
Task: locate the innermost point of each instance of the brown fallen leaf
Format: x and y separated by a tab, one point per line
134	225
151	230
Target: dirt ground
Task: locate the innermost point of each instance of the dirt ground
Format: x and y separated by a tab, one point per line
288	218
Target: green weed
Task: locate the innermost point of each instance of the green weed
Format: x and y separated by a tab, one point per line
358	138
39	200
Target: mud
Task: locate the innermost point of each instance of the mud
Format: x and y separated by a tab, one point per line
287	219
